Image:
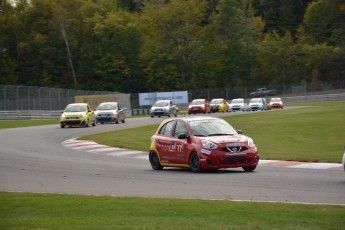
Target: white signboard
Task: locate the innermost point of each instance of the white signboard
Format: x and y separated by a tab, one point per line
178	97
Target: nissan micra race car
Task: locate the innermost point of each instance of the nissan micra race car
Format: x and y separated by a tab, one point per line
219	105
110	112
77	114
201	143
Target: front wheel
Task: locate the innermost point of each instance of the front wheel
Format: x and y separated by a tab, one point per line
249	169
154	160
194	162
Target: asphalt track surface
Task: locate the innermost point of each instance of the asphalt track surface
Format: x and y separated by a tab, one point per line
34	159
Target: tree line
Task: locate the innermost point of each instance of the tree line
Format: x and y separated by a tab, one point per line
164	45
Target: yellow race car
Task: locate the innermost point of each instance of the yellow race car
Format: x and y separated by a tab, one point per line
77	114
219	105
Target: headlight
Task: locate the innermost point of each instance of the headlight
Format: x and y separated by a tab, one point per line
63	116
83	115
250	142
208	144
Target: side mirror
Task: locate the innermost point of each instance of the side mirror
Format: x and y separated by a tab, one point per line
182	136
239	132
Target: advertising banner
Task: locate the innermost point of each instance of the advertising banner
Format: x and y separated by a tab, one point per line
178	97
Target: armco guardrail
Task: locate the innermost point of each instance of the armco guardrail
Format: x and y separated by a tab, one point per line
316	98
44	114
29	115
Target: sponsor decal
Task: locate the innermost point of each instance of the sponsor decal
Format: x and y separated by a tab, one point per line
172	148
206	151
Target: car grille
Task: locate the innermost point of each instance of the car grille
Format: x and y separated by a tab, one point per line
234	149
73	122
103	118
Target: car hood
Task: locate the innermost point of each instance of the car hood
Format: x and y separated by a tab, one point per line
237	104
159	107
196	105
73	113
107	111
226	139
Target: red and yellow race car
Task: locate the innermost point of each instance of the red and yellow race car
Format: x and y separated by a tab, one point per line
201	143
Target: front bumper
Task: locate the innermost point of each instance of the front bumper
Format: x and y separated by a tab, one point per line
160	113
220	159
196	110
73	122
106	117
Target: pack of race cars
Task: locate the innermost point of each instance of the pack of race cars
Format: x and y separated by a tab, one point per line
81	114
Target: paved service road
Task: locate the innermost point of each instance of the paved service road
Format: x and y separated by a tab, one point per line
33	159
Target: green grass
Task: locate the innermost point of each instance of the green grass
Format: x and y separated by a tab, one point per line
26	123
51	211
315	133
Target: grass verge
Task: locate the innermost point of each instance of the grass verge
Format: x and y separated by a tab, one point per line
315	133
50	211
26	123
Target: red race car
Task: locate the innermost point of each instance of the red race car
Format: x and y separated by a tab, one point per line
201	143
199	106
276	102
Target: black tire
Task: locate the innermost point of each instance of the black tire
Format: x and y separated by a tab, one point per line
194	162
123	121
154	160
62	125
249	169
116	121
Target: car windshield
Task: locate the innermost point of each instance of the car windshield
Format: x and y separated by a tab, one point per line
275	100
217	101
198	102
235	101
75	108
211	127
107	107
161	103
256	100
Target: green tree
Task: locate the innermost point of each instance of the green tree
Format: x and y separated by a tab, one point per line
237	31
278	59
173	44
324	22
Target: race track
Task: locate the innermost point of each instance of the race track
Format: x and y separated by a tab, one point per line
33	159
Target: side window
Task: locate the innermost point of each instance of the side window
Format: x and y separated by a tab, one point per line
166	129
180	128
